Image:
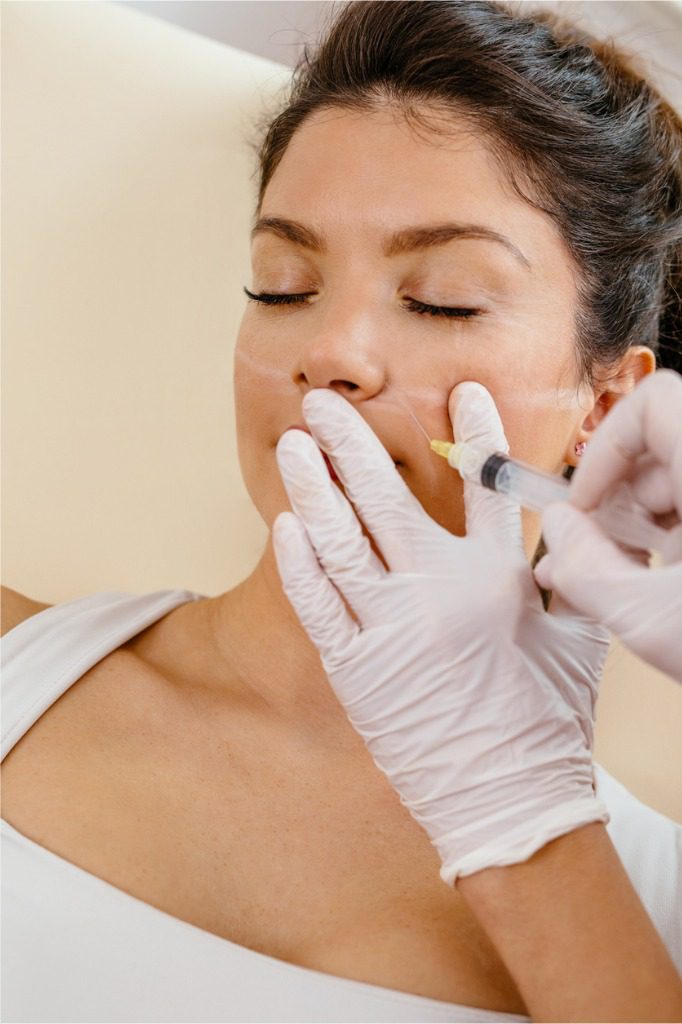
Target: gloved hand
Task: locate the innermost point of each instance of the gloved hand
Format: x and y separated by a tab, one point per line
639	441
487	743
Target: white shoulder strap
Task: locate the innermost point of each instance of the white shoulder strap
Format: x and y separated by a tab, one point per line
51	650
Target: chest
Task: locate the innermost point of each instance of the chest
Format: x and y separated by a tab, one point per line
303	855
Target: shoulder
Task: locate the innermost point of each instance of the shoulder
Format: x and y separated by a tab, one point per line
15	607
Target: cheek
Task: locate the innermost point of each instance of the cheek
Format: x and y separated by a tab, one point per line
262	381
540	424
540	412
538	394
266	401
258	367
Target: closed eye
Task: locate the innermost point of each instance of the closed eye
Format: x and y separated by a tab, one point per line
455	311
272	300
413	305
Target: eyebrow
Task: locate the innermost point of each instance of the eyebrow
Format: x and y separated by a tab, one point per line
410	239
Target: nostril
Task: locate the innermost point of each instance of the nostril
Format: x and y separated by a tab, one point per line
343	385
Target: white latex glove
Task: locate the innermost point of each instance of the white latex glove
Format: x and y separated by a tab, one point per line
488	745
639	441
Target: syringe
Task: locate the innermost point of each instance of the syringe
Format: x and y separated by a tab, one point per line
619	515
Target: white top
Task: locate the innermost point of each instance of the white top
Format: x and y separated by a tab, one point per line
76	948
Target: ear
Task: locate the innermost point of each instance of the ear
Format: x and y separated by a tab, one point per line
638	362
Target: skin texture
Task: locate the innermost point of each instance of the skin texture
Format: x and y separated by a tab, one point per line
354	334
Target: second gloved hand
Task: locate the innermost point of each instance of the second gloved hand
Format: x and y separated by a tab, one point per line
640	442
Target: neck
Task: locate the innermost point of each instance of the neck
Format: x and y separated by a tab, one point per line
257	646
248	645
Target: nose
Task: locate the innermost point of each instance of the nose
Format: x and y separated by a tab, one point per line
345	355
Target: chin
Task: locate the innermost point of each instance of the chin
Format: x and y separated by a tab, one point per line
271	502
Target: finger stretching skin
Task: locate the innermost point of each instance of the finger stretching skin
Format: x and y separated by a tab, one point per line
475	420
475	417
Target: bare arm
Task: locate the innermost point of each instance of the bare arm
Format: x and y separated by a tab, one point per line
575	936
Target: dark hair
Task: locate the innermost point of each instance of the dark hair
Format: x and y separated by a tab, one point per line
591	142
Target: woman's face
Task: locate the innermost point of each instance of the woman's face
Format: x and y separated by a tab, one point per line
357	210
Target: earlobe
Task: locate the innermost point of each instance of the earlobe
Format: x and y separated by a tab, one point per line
638	362
602	402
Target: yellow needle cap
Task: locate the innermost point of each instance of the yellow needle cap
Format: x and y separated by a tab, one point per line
442	448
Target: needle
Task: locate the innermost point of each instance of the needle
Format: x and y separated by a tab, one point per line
407	408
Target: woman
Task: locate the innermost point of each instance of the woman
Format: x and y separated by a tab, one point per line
199	758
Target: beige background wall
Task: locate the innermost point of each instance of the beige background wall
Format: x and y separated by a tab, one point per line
126	211
126	201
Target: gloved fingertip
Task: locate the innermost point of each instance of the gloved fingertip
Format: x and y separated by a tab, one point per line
285	523
475	417
301	465
288	536
314	402
321	408
543	573
290	445
466	390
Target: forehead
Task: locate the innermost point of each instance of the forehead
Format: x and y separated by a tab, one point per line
349	171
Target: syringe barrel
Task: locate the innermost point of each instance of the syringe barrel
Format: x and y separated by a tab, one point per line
528	486
619	514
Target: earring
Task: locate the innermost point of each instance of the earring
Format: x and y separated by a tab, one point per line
580	448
